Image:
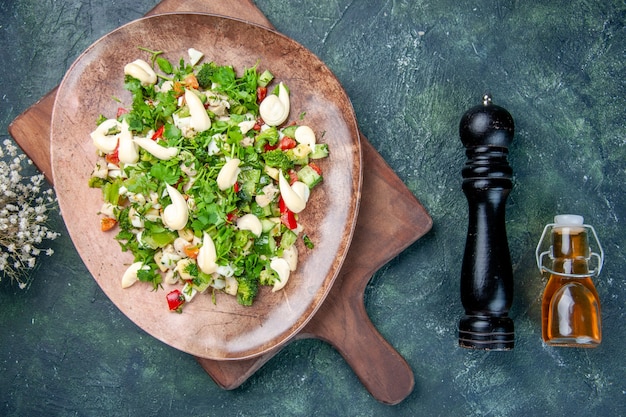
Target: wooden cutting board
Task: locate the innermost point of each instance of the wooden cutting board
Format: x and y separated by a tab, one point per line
342	319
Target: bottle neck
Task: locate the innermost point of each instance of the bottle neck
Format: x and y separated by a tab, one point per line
570	250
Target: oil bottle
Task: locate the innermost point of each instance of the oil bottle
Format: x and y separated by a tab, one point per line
570	307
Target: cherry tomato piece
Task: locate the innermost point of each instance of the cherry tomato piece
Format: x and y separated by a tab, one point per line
175	300
261	93
287	143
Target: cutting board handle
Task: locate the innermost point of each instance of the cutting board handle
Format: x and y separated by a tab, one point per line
379	367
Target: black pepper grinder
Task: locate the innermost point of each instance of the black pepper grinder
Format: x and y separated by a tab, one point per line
486	131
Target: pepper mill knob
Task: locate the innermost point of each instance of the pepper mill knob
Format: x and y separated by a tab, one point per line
486	131
486	125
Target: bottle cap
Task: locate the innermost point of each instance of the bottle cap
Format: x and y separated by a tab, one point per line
568	220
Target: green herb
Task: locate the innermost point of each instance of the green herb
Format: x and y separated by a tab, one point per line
164	65
308	242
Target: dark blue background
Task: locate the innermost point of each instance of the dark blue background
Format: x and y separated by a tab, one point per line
411	69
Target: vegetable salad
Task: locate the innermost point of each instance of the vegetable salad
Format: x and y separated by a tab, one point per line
203	177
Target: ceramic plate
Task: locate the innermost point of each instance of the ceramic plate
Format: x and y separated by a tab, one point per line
224	329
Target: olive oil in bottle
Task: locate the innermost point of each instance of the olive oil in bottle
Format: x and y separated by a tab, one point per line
571	315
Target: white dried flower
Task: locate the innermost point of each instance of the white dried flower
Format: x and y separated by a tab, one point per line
24	206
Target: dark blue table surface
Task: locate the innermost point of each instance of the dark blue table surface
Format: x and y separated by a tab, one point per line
411	69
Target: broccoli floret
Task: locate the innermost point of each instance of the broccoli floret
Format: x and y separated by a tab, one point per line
96	182
268	136
224	76
247	290
268	277
205	75
278	159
